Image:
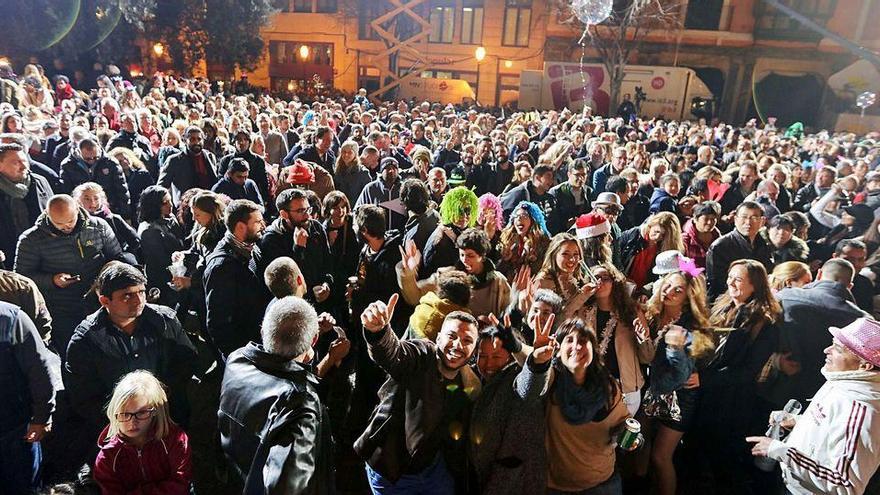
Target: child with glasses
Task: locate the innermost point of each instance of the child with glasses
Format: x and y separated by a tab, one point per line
142	450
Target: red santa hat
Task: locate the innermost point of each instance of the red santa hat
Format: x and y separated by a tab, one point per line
591	225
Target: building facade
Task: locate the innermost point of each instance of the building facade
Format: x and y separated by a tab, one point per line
746	51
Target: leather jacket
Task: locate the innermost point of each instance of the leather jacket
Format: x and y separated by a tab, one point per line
273	427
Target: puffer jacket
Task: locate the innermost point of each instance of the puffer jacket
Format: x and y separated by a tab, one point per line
163	466
43	251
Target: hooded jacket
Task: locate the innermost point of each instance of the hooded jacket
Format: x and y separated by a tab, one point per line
833	447
490	292
163	466
428	316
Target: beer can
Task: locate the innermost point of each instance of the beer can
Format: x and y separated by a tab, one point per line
630	434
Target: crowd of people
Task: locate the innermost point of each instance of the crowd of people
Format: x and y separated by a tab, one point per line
210	292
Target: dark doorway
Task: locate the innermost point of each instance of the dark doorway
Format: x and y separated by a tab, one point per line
788	98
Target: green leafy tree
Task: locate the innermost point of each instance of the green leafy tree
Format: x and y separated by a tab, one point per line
233	31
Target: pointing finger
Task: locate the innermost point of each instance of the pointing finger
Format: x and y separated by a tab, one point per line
392	302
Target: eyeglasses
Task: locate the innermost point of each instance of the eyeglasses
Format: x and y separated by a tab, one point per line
302	211
603	278
125	417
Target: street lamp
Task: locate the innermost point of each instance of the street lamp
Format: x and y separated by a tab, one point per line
158	49
304	52
479	54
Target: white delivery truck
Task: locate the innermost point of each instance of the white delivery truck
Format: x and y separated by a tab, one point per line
668	91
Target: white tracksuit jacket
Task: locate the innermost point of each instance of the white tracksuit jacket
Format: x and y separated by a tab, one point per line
835	446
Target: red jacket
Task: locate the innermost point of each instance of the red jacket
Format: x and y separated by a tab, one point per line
692	246
161	466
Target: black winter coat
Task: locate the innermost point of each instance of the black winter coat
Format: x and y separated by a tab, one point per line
106	172
179	171
236	298
99	354
314	260
36	200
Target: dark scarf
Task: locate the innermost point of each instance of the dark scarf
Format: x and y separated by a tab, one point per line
578	404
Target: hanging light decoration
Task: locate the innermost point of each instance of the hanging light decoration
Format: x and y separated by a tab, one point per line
591	11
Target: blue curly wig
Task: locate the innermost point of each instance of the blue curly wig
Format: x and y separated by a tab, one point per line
535	212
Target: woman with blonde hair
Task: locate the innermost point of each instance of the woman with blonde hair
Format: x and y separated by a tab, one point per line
681	343
142	450
137	177
561	272
790	274
91	196
171	144
349	176
640	245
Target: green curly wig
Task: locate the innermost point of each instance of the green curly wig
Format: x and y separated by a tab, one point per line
456	200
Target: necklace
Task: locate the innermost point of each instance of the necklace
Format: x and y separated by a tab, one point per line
607	332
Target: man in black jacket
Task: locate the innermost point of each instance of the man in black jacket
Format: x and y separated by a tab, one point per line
125	335
23	196
88	163
809	194
536	190
807	313
415	440
743	242
572	196
319	152
234	290
195	167
422	219
273	427
295	235
130	138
